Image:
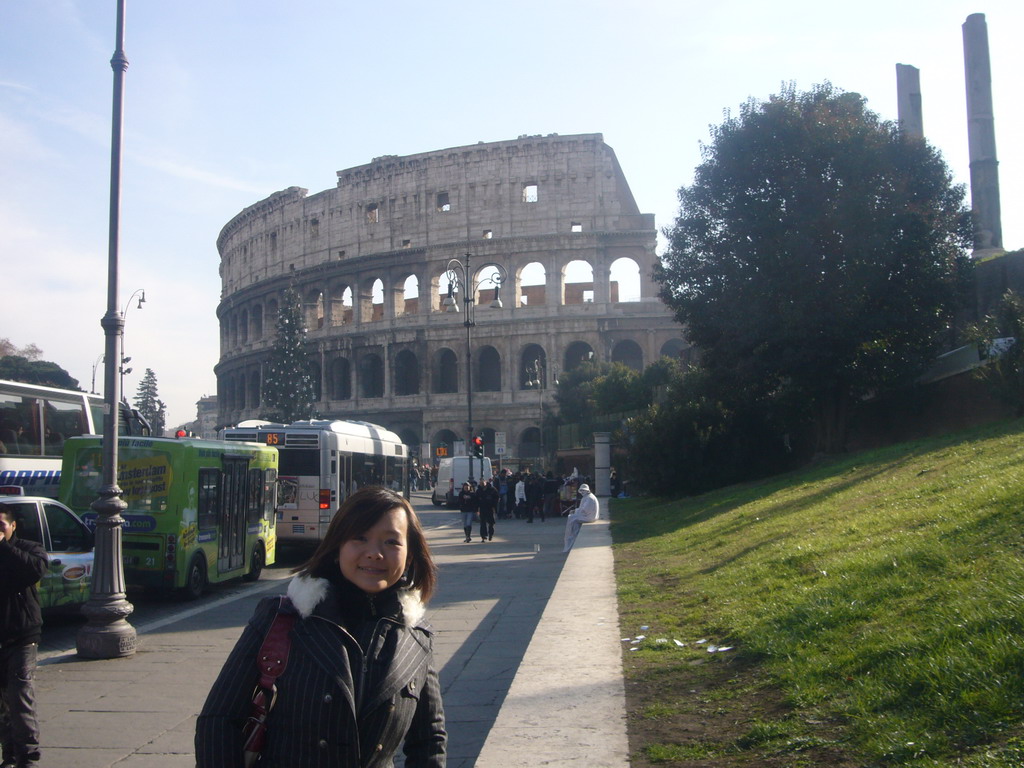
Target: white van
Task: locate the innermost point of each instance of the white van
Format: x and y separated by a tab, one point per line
452	473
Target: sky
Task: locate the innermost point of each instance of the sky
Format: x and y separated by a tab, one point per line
228	101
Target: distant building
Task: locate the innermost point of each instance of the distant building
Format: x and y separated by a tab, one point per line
205	425
369	259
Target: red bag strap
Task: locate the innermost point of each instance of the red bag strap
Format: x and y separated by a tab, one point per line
273	654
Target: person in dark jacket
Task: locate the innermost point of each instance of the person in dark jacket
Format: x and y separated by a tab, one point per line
22	565
469	504
487	500
359	681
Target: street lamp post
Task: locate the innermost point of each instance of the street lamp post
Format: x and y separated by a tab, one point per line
536	379
461	276
108	634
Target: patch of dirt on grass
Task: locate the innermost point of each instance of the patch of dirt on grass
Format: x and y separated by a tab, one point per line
721	713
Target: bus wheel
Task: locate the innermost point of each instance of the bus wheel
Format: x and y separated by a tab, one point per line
195	583
256	561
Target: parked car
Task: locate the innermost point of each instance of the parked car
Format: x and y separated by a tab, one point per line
68	542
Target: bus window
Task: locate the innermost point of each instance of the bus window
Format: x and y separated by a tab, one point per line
19	425
61	420
255	506
269	493
300	462
209	493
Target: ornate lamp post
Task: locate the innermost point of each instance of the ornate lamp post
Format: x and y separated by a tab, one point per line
460	276
536	379
108	634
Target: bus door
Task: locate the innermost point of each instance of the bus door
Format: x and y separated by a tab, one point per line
341	470
232	523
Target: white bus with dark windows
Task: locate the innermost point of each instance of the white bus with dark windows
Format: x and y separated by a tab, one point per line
321	463
34	423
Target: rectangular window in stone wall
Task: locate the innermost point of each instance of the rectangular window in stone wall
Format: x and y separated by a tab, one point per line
529	193
443	203
577	227
372	213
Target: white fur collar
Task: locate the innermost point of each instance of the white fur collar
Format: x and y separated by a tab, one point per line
307	592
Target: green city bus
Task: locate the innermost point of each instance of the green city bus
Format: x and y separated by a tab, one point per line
199	511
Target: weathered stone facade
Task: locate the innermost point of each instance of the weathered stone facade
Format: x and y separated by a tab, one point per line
369	258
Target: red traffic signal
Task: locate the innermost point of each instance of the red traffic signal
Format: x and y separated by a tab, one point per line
478	446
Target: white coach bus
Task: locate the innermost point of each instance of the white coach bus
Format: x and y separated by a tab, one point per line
34	423
321	463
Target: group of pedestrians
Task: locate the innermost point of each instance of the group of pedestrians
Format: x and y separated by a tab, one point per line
532	496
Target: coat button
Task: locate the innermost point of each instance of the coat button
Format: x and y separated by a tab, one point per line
412	686
379	748
328	699
323	743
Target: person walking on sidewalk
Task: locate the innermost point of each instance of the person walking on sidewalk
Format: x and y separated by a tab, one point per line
22	564
359	679
468	506
587	511
487	499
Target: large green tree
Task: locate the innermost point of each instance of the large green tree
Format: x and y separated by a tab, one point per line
149	404
19	368
288	391
817	256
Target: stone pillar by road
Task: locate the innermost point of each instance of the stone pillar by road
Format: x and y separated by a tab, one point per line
981	137
908	100
602	464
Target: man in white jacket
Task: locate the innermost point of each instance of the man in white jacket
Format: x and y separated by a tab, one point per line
588	510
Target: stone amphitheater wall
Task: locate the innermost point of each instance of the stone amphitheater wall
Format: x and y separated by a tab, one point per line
370	259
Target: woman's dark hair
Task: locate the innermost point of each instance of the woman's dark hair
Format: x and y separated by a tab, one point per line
358	514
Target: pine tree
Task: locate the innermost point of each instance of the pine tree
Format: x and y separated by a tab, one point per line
288	393
149	403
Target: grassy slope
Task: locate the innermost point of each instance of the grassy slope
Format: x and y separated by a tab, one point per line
883	591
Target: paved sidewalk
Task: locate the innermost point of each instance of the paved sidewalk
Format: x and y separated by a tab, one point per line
527	645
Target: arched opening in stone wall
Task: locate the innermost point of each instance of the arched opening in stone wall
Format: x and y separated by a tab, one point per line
533	363
531	290
272	310
576	353
624	275
628	352
488	369
340	304
371	376
444	373
224	335
577	283
240	391
411	439
377	300
257	322
409	302
254	389
316	375
678	349
442	445
490	284
407	373
234	330
529	444
340	386
243	327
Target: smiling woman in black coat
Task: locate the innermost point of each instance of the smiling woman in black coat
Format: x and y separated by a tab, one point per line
360	680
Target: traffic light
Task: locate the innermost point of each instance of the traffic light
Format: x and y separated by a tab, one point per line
478	447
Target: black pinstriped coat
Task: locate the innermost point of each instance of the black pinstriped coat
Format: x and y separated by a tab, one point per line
316	722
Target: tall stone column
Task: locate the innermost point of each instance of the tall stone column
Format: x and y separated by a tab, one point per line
908	100
981	138
602	464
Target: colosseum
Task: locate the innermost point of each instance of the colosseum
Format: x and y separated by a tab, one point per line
547	224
